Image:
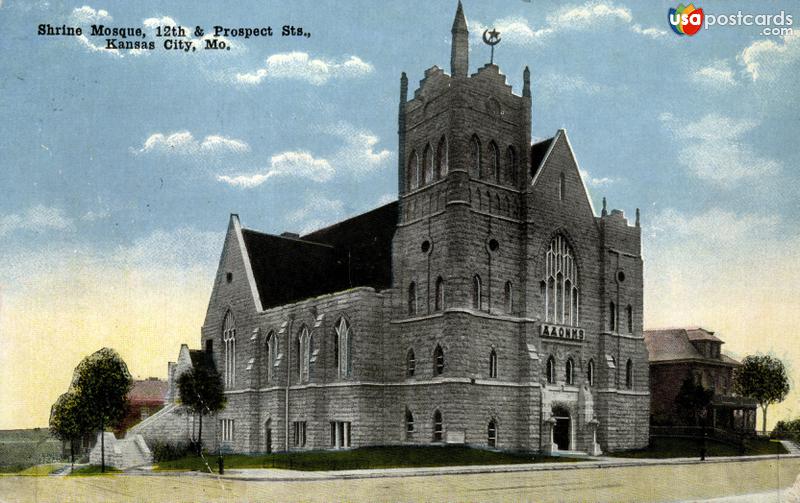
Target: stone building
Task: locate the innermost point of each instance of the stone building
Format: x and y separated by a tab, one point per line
488	306
677	354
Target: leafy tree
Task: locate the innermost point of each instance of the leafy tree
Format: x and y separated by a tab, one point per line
201	391
67	421
763	378
102	383
693	398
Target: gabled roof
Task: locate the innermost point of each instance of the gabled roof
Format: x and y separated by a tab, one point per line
669	344
354	252
538	151
149	390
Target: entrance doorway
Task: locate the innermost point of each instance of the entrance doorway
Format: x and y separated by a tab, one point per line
561	432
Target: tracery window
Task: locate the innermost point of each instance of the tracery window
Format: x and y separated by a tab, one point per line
413	171
590	372
561	290
304	343
342	346
475	156
493	364
427	165
442	158
569	370
271	353
494	163
511	166
229	341
551	370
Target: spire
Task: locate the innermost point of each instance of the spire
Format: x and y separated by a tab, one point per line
605	211
526	83
459	51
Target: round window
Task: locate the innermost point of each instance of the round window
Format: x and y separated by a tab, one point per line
620	276
493	245
426	246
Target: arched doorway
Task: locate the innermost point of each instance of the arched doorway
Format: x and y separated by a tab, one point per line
268	436
561	433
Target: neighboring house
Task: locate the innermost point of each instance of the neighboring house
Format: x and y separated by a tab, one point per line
490	305
676	354
145	398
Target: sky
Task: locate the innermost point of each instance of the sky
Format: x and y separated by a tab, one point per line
119	168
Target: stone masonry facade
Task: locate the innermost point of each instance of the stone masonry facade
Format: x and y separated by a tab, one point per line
512	317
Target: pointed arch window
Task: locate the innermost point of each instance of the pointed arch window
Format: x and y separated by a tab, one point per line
271	348
342	347
412	299
229	342
629	374
562	187
494	163
475	156
569	371
427	165
493	364
304	343
562	292
590	372
409	420
551	370
612	317
438	361
477	294
491	439
508	297
442	158
411	363
511	166
438	304
629	317
438	426
413	171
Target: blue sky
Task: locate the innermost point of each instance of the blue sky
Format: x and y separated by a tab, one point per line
118	165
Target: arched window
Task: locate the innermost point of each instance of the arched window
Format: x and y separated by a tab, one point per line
494	163
304	353
562	186
271	353
612	317
511	166
629	374
413	171
562	294
492	433
493	364
229	341
569	371
438	361
590	372
629	316
412	299
438	426
477	300
508	300
427	165
438	304
442	158
342	349
551	370
409	423
475	156
411	363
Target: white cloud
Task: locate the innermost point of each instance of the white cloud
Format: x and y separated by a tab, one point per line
317	212
766	58
713	148
595	181
38	219
93	216
89	15
301	66
719	74
358	154
92	47
184	143
518	31
715	225
293	163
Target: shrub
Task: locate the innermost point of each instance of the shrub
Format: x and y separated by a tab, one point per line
787	430
169	451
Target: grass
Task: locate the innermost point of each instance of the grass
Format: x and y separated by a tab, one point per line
93	470
40	470
363	458
672	447
20	449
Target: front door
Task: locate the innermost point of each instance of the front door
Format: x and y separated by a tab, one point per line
561	428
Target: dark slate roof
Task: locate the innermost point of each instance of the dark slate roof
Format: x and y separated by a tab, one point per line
148	391
354	252
701	334
538	151
671	344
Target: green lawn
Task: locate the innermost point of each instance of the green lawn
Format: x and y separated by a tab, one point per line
364	458
39	470
93	470
661	447
20	449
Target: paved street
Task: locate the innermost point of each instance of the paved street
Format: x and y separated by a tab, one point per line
767	478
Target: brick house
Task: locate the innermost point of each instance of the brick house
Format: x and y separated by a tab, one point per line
677	354
145	398
490	305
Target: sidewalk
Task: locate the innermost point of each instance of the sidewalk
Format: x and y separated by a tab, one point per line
268	474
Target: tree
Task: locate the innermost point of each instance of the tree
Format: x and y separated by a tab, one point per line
763	378
67	421
201	391
102	383
693	398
